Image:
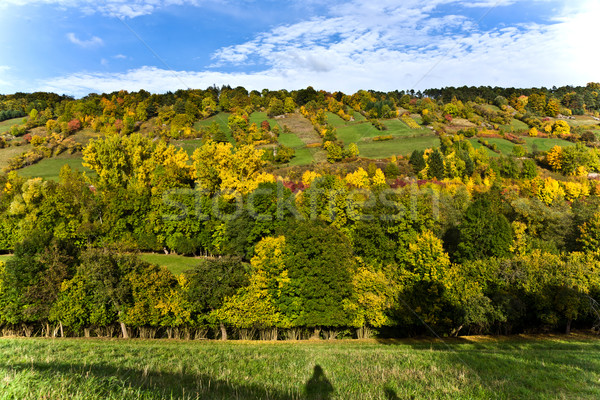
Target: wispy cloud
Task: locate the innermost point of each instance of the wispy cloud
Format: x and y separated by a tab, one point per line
92	42
114	8
394	45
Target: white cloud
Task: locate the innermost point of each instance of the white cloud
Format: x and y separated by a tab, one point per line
384	47
92	42
114	8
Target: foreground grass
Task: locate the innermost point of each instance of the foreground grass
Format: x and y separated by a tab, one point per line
464	369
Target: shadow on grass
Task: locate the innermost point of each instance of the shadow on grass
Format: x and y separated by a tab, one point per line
172	385
508	369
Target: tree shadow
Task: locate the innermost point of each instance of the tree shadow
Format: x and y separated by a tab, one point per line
155	384
171	385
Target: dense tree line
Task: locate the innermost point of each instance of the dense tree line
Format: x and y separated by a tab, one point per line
448	238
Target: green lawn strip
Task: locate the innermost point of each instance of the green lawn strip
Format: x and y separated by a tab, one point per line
477	145
222	119
143	369
505	146
189	145
290	140
395	147
335	120
49	168
515	126
7	124
175	263
545	144
396	127
258	117
303	156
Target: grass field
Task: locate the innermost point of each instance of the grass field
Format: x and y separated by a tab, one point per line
545	144
49	168
258	117
174	263
9	152
505	146
477	145
6	125
303	156
221	119
477	368
399	146
515	126
5	257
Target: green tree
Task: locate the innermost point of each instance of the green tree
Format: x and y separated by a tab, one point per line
483	232
435	165
210	284
320	267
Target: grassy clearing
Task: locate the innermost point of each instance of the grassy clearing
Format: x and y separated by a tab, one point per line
259	117
504	145
290	140
9	152
400	146
515	126
6	125
173	262
303	156
353	132
189	145
5	257
335	120
49	168
221	119
463	369
582	120
545	144
477	145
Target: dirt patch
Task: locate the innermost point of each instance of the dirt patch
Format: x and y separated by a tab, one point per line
301	127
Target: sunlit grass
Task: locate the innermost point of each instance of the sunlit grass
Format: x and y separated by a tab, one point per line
136	369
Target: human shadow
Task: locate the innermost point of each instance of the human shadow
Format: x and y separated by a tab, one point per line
390	394
318	386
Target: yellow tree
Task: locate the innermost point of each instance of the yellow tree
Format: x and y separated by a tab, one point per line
358	178
561	128
118	160
554	158
220	167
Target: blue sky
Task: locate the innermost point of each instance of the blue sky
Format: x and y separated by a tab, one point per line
82	46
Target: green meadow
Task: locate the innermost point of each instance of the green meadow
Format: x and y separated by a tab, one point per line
476	368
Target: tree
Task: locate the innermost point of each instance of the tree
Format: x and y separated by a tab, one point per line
218	167
275	107
483	233
320	267
289	105
105	274
435	165
210	284
417	161
120	160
